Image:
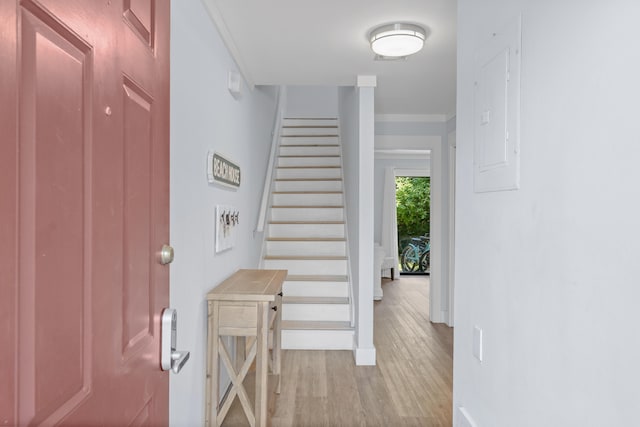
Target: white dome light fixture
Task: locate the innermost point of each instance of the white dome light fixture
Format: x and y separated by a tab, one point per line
397	40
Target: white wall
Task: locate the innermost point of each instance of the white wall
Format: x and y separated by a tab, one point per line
550	271
312	101
204	116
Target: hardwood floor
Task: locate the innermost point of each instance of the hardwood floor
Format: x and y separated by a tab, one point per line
410	386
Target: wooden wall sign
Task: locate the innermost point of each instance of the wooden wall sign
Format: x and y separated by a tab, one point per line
223	171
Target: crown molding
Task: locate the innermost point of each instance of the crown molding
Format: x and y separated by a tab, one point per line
225	35
402	154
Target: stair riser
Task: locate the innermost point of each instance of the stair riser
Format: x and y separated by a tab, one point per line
308	186
310	131
307	214
309	173
321	312
309	267
317	340
307	122
309	151
305	140
307	199
315	289
306	230
307	248
309	161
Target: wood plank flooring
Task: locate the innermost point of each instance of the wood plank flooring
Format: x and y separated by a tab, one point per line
410	386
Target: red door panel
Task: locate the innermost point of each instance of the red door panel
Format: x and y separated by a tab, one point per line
53	223
85	209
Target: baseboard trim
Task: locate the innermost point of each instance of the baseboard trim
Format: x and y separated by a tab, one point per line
440	317
365	356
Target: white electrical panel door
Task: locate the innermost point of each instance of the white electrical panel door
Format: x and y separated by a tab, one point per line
497	112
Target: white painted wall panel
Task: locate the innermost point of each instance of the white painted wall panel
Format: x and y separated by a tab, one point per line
312	102
559	321
204	116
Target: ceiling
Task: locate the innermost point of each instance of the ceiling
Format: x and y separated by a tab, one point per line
301	42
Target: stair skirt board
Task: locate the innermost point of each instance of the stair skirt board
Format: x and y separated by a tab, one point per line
295	339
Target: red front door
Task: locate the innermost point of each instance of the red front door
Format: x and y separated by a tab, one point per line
84	209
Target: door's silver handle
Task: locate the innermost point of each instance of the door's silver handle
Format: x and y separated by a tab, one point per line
178	359
170	358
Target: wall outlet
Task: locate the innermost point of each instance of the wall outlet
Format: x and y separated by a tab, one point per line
477	343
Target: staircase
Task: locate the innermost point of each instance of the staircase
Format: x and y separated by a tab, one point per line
306	236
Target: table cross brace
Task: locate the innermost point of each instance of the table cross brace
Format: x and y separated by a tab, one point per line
237	388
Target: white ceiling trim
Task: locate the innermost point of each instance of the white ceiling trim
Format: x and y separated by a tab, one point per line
419	173
406	142
227	39
414	118
403	154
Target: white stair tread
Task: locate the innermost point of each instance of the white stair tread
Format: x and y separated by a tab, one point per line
314	300
310	118
308	167
309	155
310	126
315	278
306	222
312	324
305	257
307	192
309	145
307	206
309	136
306	239
309	179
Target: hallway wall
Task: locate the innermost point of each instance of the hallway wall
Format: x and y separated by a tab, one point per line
550	271
204	116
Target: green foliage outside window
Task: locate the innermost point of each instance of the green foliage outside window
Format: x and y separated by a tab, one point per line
412	204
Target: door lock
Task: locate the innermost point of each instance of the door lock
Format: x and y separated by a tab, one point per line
170	357
166	255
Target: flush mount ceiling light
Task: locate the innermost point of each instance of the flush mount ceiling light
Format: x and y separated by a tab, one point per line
397	40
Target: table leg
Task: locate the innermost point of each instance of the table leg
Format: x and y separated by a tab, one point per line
277	344
214	365
262	367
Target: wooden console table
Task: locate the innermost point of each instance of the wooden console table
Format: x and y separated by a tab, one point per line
247	304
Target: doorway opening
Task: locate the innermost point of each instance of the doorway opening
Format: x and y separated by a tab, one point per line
413	213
